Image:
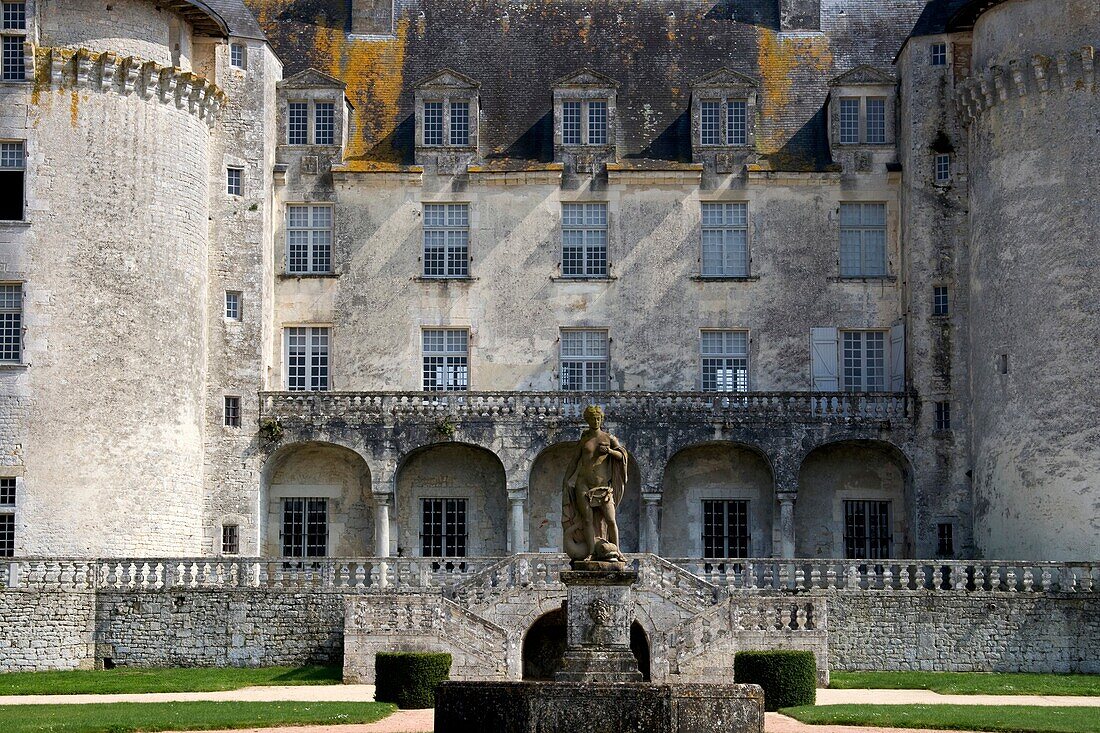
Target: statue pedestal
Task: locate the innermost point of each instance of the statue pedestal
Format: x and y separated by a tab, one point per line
599	611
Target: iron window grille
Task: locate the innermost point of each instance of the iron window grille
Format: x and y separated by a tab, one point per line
943	416
445	360
11	322
862	240
298	123
13	161
584	361
307	359
864	361
725	240
584	240
231	539
726	528
232	412
309	239
324	123
433	123
725	361
867	534
305	527
443	530
446	240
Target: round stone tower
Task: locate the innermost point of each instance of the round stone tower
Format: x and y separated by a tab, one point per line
1032	104
119	177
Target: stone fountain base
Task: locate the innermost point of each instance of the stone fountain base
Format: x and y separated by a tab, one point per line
599	707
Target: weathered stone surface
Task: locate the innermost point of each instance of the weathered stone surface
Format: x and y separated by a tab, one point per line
553	707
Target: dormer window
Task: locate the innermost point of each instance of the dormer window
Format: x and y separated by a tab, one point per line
312	111
861	110
447	111
723	109
584	110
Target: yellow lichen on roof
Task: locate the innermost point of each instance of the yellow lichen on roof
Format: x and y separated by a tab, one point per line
779	57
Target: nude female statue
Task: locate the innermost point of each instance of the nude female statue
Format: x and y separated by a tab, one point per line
592	488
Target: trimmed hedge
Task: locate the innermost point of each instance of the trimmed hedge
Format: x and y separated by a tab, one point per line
409	679
789	678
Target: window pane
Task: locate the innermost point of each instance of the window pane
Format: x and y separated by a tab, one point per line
7	535
584	240
736	128
15	16
237	55
584	365
446	240
597	123
862	240
876	120
725	528
460	123
324	123
849	120
709	122
445	360
298	123
725	240
11	155
443	528
13	64
571	123
433	123
11	322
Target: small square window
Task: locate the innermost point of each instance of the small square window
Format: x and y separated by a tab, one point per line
939	54
234	181
233	305
7	490
943	167
940	301
943	416
238	56
231	539
945	539
233	412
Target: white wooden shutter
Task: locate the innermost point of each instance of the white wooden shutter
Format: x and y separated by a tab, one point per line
897	357
824	350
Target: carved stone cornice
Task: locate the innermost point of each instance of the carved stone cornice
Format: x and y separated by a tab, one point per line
1038	74
63	68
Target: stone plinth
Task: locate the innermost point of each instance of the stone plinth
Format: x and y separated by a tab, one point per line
561	707
599	611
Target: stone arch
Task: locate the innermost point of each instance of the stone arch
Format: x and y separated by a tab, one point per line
453	470
320	471
709	471
840	471
544	645
544	500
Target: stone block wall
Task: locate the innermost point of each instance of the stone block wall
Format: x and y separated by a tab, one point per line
964	632
46	630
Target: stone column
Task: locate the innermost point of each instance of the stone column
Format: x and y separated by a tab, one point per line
651	536
517	522
786	523
382	526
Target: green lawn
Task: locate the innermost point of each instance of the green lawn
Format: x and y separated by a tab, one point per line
970	683
1008	718
162	680
125	717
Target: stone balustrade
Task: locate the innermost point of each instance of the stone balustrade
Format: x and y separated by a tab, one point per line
728	408
692	581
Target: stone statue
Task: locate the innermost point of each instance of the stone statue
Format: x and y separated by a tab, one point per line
592	489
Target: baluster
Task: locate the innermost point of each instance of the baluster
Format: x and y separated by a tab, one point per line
1028	579
1044	584
800	618
888	577
903	579
830	577
961	578
799	576
995	578
852	581
815	576
1086	583
1010	580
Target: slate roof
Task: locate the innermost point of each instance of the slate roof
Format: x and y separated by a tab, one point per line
654	49
238	18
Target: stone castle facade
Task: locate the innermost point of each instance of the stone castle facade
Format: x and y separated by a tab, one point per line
332	279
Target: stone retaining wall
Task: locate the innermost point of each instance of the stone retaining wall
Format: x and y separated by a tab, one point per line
46	630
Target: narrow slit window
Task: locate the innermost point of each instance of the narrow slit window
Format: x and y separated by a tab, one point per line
941	303
13	161
943	416
232	412
945	540
233	305
943	167
234	181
